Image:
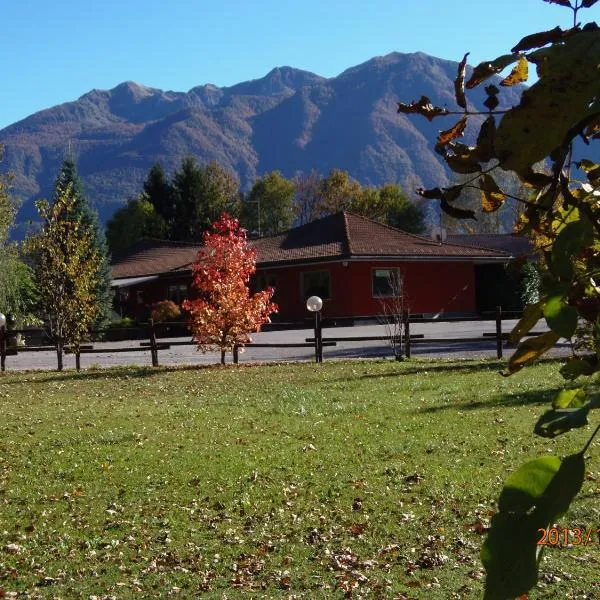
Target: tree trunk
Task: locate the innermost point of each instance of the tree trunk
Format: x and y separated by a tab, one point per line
59	353
222	356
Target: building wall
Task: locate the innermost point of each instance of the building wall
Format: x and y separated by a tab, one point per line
430	287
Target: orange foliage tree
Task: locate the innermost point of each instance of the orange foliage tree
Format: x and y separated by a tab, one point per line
224	314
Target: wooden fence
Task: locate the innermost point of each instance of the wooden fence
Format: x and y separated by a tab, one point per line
405	340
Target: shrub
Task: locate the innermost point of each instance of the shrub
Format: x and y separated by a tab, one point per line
165	310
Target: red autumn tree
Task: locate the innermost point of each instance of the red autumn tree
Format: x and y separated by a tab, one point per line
224	314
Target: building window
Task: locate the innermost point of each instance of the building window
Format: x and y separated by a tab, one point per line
386	283
177	293
316	283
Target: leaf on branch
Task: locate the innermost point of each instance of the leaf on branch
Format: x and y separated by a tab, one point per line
531	349
456	131
519	74
422	107
536	180
567	244
491	102
574	398
459	83
560	2
486	69
492	197
588	3
485	139
537	40
555	422
539	125
591	169
449	194
592	131
532	313
463	163
533	497
560	317
457	213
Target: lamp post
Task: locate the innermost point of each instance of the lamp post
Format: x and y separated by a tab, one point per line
2	342
314	304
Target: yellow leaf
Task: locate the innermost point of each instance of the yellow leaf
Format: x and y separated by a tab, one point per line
492	197
532	313
531	349
519	73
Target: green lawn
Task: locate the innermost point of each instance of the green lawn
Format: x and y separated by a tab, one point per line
373	479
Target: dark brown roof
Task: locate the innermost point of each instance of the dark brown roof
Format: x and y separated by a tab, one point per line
344	235
516	245
153	257
339	236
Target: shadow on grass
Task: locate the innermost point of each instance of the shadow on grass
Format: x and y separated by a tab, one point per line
109	372
535	397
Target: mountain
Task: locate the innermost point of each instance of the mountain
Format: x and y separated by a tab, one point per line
290	120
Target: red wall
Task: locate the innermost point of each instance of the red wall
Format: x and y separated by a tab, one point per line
430	287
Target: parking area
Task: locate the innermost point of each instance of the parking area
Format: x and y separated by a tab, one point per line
189	355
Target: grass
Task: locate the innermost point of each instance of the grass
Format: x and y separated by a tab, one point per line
358	479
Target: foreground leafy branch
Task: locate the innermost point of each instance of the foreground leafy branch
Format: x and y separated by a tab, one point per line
535	140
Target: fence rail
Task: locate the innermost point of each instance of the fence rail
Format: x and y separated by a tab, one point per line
402	341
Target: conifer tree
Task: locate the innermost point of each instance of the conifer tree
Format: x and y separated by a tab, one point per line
68	182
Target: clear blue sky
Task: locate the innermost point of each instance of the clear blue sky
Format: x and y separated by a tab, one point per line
55	51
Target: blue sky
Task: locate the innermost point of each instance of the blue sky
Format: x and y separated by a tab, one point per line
55	51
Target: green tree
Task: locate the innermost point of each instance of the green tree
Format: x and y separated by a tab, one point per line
562	214
390	206
339	192
268	209
201	194
159	192
137	220
17	290
67	271
68	181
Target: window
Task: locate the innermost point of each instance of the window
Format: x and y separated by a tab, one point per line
386	282
177	293
316	283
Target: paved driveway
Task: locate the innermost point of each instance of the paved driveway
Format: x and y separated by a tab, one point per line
188	355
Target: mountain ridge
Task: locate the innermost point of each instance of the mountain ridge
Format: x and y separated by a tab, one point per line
290	120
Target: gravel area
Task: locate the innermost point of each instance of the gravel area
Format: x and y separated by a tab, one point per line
189	355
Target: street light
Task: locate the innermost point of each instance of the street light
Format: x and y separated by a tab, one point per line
314	304
2	342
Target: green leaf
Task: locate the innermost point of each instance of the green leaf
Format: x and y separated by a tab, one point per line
531	349
567	244
532	313
561	317
532	498
574	398
556	422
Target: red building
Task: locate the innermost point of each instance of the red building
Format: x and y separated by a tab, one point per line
347	260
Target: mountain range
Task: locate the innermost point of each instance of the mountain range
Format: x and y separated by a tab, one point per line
290	120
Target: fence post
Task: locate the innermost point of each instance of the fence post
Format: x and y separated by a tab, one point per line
236	354
318	337
406	319
153	349
3	348
499	331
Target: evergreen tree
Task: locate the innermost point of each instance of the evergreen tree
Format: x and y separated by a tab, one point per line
159	192
68	182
